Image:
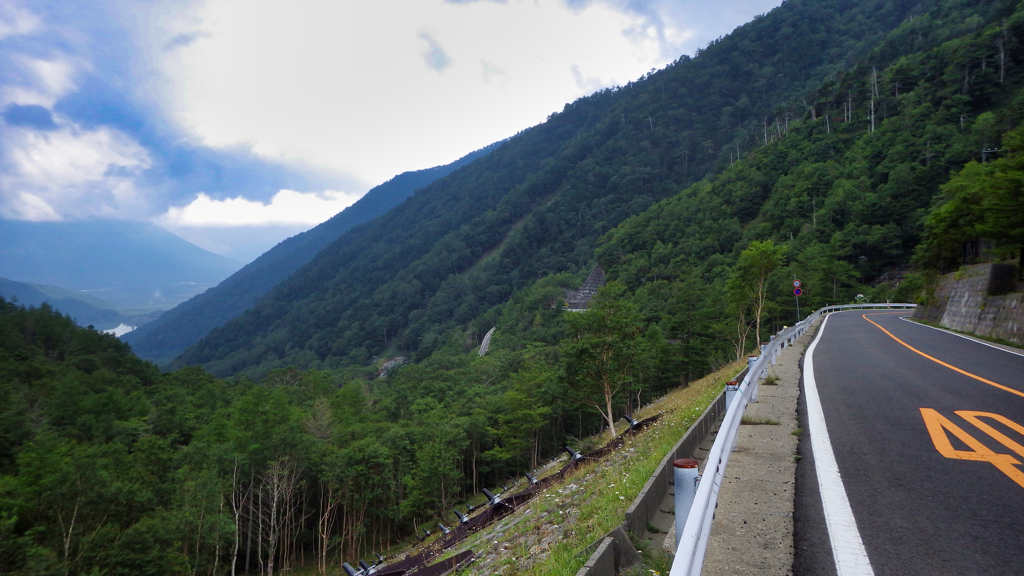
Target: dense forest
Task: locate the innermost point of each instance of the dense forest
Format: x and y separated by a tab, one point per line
901	161
168	336
538	204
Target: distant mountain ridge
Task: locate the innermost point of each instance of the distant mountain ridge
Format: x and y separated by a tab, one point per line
187	323
134	266
85	311
539	204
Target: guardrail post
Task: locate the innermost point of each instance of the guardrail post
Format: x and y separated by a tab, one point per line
731	387
691	537
754	379
686	478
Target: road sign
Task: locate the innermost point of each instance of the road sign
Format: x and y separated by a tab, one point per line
797	291
796	283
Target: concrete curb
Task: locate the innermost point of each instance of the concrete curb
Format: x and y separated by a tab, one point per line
615	551
645	505
611	555
602	561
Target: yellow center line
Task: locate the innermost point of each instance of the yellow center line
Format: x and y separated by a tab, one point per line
937	361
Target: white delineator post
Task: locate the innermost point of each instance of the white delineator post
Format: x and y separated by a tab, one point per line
731	388
686	479
754	379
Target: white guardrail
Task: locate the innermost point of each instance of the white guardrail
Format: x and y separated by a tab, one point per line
693	543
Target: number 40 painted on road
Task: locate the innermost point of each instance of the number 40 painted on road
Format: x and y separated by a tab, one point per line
1006	463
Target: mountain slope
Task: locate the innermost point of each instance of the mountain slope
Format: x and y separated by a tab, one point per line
846	198
184	325
840	195
131	265
402	281
83	312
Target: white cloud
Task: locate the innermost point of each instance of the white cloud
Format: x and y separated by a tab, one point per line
62	171
345	85
43	81
287	207
358	90
28	206
355	86
69	173
17	21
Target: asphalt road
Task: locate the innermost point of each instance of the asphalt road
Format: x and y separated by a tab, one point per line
933	489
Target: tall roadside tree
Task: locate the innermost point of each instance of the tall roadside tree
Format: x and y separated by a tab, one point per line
984	206
748	285
606	352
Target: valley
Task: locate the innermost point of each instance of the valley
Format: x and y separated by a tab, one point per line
858	150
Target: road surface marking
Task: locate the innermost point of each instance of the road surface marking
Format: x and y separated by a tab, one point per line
974	339
847	547
950	366
974	418
937	424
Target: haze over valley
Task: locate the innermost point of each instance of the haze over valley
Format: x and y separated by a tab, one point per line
487	231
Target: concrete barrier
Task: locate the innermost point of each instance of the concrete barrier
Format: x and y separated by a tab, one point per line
602	561
646	503
610	555
614	552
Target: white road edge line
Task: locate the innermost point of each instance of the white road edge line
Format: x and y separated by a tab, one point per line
964	336
847	547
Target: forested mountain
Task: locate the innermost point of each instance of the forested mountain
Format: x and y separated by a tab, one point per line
908	151
186	323
846	198
538	204
135	266
84	309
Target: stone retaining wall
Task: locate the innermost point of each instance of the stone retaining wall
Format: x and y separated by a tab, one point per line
982	299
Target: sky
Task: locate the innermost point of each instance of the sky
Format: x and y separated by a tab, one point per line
238	123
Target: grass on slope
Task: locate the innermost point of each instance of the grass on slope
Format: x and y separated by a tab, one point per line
550	534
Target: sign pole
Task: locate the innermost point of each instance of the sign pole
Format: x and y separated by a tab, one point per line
796	293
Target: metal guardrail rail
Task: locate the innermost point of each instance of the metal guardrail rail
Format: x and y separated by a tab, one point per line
693	543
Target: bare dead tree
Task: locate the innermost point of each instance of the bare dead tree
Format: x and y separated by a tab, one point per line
742	331
872	113
329	497
1002	53
875	93
239	498
281	482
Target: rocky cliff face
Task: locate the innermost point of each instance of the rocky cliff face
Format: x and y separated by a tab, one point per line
983	299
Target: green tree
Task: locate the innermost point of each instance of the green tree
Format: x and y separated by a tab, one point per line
605	352
825	274
750	280
983	202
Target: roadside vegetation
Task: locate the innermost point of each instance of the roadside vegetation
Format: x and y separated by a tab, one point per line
304	453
